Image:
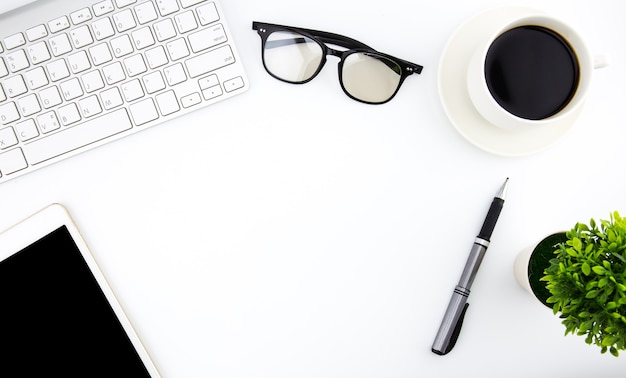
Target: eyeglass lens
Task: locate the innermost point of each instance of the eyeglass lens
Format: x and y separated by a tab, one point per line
292	57
297	58
370	77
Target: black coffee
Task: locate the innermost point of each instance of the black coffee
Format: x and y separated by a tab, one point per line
531	72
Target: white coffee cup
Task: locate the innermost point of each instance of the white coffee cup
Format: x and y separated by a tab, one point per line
485	102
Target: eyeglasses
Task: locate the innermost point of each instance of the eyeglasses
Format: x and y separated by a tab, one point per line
297	55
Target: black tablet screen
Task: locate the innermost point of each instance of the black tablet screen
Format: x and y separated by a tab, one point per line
54	318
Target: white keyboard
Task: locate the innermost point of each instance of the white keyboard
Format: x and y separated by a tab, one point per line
104	71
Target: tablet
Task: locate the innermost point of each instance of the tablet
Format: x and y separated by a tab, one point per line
58	316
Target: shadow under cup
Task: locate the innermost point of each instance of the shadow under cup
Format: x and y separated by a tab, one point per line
532	72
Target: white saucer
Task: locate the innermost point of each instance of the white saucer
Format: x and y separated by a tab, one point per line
458	105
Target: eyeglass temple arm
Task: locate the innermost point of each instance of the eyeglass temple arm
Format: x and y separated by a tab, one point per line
330	38
325	37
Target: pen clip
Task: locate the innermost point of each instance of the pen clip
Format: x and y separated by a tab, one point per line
457	330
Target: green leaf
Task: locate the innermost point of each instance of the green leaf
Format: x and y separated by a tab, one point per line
609	340
591	285
586	269
598	270
592	294
577	244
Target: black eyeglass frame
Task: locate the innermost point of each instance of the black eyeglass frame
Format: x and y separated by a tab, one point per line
323	39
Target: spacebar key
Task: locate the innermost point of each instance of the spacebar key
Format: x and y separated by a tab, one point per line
77	136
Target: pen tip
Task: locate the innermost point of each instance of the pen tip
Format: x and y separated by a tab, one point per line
502	193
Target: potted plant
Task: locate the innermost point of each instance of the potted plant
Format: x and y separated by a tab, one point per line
586	279
531	263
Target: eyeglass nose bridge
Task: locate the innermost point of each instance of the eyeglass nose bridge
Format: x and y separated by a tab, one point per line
333	52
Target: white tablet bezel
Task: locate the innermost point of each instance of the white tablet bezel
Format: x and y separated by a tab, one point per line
43	223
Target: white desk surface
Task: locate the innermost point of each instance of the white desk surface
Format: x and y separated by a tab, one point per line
293	232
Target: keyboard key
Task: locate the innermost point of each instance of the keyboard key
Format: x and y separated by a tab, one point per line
121	46
132	90
29	105
143	38
164	30
100	54
167	103
17	61
36	33
177	49
48	122
14	86
113	73
103	7
124	20
38	53
90	106
26	130
143	112
14	41
210	61
145	12
186	22
58	70
7	138
190	100
102	28
50	97
209	81
212	92
154	82
12	161
92	81
9	113
81	36
60	44
71	89
36	78
59	24
111	98
156	57
78	62
135	65
167	7
80	16
207	38
234	84
175	74
76	137
207	14
69	114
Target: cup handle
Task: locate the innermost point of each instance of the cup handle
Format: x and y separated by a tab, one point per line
601	61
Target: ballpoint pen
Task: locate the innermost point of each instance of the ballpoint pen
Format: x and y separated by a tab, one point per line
453	318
